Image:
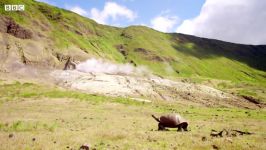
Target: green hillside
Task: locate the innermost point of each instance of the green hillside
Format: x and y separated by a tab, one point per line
174	55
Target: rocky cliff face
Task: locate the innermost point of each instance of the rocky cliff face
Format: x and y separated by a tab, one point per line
20	46
8	25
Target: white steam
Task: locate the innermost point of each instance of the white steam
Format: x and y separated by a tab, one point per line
99	66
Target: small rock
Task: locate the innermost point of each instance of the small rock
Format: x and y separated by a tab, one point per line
11	135
8	46
215	147
84	147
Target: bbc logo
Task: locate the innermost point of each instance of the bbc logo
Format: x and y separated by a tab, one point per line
14	7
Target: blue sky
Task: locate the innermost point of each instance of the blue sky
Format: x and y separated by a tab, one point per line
238	21
144	10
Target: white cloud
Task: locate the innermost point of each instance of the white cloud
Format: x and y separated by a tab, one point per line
111	10
164	22
78	10
240	21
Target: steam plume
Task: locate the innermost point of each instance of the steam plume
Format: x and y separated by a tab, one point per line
99	66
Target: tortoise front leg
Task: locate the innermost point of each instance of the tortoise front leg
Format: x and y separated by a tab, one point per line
182	126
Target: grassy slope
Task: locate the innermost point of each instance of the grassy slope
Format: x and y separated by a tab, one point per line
183	56
58	119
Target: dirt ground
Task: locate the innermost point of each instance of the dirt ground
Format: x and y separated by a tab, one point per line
69	123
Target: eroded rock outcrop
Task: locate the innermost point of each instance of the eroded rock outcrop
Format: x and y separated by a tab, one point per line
8	25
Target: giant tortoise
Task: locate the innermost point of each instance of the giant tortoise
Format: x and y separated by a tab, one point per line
171	121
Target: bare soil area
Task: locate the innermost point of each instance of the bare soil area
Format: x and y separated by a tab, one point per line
148	87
